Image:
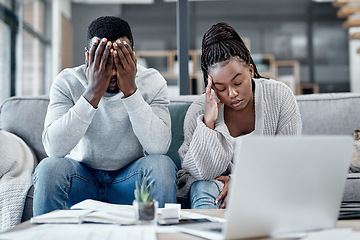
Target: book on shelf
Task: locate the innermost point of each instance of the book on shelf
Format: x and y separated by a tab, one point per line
90	211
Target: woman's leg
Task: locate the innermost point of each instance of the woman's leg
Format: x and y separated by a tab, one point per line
203	194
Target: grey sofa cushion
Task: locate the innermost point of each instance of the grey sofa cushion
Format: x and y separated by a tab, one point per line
24	116
352	188
330	113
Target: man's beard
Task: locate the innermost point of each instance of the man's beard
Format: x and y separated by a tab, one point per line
113	88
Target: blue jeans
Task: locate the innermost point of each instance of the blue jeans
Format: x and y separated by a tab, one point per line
203	194
62	182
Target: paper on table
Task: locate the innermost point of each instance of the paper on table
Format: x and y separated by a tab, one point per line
118	209
333	234
81	232
90	211
61	216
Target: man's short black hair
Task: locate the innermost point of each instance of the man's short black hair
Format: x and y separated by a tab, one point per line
109	27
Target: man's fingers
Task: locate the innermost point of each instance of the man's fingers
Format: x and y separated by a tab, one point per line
99	51
110	61
105	55
92	50
118	46
117	56
128	52
116	59
86	57
125	57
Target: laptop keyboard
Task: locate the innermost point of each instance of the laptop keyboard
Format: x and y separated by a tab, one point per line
219	230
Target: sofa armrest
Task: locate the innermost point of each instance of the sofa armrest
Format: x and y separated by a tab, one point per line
24	116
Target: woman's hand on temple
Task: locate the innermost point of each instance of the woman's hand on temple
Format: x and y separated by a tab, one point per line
211	106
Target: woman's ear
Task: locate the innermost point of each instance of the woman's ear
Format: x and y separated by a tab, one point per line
251	70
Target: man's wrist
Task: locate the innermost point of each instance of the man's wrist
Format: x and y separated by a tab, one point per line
128	93
92	98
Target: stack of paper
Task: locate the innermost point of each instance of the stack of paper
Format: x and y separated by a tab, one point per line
90	211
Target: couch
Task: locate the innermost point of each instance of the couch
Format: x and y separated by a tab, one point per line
322	114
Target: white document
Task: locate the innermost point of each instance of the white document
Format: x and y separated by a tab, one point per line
333	234
82	232
90	211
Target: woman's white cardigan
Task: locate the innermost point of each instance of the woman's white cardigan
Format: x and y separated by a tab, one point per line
206	153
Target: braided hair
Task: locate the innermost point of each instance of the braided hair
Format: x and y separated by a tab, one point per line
220	43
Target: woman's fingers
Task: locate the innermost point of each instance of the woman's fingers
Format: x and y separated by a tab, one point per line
223	204
208	87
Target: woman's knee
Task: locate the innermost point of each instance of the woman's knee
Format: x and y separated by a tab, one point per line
203	194
205	187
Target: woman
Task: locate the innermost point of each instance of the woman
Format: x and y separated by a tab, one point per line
237	103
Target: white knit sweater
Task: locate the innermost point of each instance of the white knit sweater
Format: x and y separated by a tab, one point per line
206	154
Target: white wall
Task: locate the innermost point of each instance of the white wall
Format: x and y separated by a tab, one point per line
59	7
354	62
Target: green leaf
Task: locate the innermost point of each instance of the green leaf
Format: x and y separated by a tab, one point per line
143	193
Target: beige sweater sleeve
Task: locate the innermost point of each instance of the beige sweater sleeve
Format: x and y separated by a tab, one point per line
205	153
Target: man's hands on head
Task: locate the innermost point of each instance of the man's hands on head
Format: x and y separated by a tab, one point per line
99	64
103	57
125	62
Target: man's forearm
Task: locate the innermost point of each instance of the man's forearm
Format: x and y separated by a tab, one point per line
151	124
63	134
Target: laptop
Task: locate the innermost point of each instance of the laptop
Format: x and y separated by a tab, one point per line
282	186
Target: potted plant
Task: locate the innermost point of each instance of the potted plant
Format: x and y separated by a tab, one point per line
144	205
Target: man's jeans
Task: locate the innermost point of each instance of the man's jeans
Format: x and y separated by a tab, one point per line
203	195
62	182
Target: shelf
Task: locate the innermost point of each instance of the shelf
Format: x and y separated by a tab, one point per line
354	36
265	64
346	11
351	22
293	80
339	3
309	88
170	73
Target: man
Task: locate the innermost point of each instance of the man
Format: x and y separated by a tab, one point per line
106	127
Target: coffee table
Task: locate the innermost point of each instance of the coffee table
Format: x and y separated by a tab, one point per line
353	224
